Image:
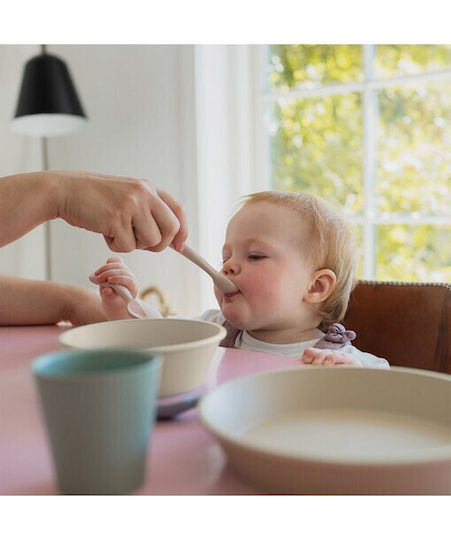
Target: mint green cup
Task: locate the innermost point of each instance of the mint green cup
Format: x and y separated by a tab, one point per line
99	408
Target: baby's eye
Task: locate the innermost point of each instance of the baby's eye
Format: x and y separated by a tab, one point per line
256	257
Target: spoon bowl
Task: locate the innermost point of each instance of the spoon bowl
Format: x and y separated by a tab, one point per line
136	308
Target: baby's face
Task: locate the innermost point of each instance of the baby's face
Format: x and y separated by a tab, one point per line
264	256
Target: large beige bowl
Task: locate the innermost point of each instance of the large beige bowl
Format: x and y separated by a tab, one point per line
336	430
186	346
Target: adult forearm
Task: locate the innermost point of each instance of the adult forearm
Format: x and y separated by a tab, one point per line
26	301
26	201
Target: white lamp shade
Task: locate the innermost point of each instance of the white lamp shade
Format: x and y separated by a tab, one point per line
47	125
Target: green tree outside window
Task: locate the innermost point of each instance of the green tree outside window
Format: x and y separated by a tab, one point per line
325	101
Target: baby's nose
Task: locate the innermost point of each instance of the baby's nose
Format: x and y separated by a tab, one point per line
230	268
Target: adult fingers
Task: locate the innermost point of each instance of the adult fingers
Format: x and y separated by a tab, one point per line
123	240
146	231
164	221
150	219
179	239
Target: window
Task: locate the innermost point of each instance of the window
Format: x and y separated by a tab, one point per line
368	128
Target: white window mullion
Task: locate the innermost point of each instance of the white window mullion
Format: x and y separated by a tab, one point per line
370	121
350	88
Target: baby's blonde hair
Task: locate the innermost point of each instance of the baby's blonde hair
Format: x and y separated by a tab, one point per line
331	245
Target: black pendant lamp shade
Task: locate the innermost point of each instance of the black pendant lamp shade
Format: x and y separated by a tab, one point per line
48	105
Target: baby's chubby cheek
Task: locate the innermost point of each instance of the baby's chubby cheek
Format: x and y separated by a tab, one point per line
257	283
264	291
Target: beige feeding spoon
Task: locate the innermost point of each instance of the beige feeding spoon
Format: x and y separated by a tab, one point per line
224	284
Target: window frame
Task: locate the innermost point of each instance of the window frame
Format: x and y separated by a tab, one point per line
368	87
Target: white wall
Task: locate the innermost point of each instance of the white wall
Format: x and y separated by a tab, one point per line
25	257
139	101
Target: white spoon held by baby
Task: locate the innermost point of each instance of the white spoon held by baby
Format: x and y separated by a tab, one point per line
222	282
136	308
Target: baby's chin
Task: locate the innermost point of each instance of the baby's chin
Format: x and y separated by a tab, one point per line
234	318
239	322
237	314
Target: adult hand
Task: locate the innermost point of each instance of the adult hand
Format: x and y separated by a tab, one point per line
130	213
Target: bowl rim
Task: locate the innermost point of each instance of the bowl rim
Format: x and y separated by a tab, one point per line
219	336
443	453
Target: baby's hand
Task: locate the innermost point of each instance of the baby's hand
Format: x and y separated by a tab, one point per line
114	272
328	357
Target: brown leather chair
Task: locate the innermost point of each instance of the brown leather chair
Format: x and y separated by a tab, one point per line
409	324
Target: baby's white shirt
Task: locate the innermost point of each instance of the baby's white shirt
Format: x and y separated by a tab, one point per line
245	341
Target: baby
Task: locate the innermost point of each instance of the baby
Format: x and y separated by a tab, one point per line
292	259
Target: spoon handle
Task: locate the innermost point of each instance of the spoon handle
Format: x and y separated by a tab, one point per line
190	254
122	291
223	283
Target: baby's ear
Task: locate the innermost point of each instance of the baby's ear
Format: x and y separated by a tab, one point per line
322	284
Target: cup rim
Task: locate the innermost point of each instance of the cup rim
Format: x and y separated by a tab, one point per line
148	361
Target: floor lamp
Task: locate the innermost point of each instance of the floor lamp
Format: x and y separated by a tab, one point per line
48	106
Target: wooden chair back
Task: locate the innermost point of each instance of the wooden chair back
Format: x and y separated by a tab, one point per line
409	324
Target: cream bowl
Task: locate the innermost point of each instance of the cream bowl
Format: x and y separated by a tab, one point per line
186	346
329	430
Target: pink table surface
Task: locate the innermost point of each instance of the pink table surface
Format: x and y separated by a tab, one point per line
183	459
